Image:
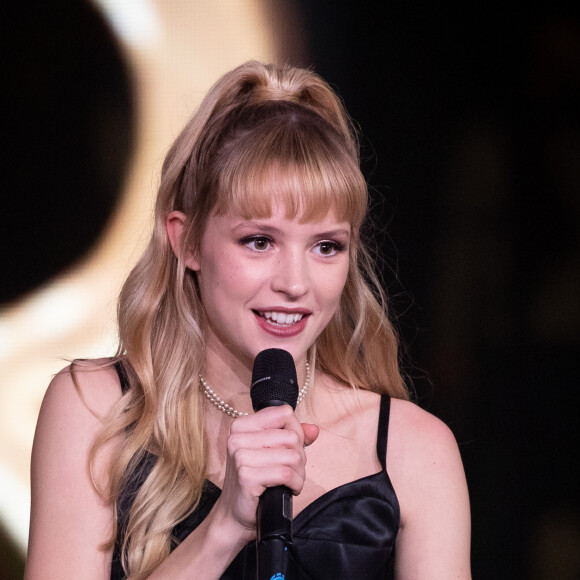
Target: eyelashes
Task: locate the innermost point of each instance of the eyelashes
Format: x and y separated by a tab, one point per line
256	243
329	247
262	243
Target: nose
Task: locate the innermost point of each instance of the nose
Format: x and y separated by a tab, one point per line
290	275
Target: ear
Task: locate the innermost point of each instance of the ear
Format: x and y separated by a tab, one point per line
175	227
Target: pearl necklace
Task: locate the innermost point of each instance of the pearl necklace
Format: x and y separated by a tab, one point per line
218	402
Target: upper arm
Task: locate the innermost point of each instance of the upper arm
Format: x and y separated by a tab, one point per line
427	472
69	520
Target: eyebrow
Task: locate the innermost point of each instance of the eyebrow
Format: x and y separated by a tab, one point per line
333	233
252	224
269	229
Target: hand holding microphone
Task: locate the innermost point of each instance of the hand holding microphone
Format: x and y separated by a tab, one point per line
274	383
265	450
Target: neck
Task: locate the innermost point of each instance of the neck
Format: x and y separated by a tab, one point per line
230	380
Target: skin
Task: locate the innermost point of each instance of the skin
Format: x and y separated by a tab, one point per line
245	268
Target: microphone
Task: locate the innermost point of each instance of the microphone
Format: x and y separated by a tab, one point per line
274	383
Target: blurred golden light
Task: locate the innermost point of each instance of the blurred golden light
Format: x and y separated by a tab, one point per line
175	49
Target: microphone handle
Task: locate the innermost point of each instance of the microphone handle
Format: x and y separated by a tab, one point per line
274	534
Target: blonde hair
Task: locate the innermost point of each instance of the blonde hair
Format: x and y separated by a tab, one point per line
263	134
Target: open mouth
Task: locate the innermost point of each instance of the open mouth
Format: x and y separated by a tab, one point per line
281	318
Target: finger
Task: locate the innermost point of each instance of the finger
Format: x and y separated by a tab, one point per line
257	479
266	458
270	438
311	433
280	417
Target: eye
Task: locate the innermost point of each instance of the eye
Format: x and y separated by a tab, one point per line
256	243
328	248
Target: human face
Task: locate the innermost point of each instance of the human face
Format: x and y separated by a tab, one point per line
270	282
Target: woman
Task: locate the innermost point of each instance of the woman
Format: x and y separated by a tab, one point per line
151	465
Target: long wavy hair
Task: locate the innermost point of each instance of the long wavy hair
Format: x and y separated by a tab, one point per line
264	134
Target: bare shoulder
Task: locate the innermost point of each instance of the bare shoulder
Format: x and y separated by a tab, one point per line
426	470
95	383
421	448
69	518
416	430
74	406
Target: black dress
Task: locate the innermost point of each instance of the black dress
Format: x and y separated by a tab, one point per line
349	532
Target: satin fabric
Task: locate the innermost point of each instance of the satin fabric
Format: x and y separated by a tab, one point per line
349	532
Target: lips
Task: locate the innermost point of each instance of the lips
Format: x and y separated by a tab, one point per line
282	318
281	323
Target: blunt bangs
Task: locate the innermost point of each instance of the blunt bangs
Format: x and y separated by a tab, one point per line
291	162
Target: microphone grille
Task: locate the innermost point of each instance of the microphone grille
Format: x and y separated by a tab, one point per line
274	380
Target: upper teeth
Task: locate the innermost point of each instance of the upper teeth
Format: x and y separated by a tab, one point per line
283	317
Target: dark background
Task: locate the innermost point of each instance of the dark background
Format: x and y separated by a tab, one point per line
470	131
471	140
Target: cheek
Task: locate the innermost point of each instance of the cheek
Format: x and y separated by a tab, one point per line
229	279
332	284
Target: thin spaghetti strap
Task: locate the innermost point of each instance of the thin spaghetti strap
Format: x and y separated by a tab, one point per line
124	380
383	430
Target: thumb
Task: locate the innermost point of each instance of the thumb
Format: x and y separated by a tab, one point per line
311	432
